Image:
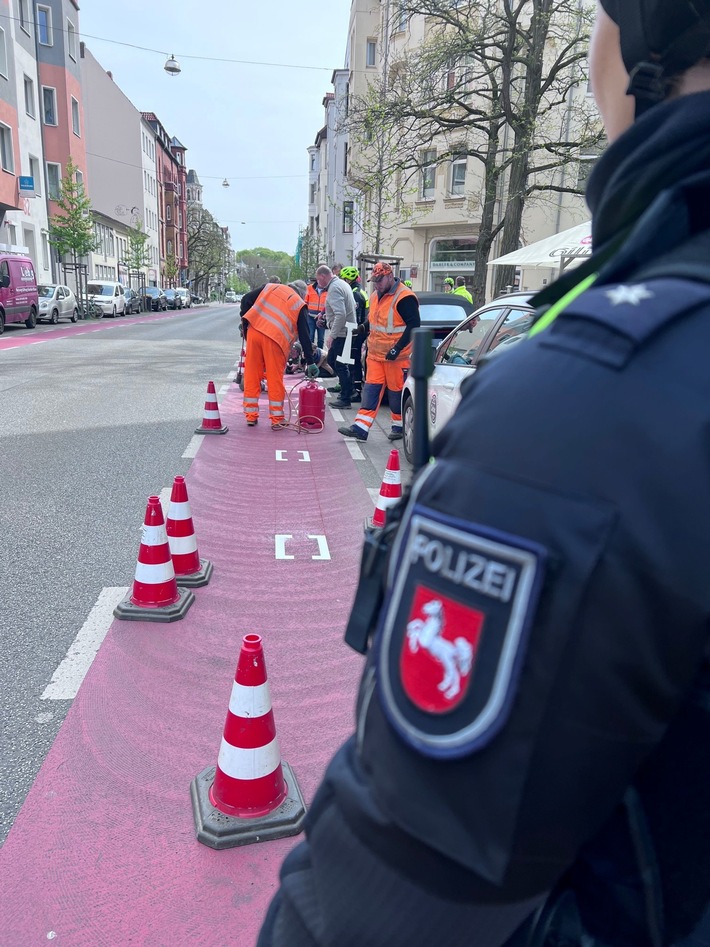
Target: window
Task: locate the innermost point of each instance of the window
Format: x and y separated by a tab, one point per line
76	128
371	59
49	105
313	162
71	39
464	345
45	251
168	212
428	165
22	13
6	154
44	26
3	54
54	177
79	176
400	19
170	246
34	173
347	216
29	97
312	195
515	326
458	175
345	160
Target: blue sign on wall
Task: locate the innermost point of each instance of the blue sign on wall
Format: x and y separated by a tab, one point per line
26	186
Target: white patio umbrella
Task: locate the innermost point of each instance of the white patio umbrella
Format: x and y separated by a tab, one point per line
558	251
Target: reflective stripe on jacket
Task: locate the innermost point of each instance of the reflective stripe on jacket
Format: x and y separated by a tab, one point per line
386	324
275	313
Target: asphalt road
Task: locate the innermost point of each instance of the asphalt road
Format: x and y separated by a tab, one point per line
93	422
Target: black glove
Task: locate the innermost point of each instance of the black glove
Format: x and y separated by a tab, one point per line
392	355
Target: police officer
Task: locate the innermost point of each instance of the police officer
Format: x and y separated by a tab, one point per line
531	763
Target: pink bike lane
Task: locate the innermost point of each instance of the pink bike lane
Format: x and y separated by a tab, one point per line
103	851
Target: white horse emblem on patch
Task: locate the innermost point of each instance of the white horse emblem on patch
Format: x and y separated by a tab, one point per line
455	656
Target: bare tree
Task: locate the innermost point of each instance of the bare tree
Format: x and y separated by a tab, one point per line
496	81
206	246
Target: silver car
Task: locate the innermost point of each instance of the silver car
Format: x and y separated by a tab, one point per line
56	302
503	322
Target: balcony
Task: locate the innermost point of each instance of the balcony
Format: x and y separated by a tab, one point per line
169	186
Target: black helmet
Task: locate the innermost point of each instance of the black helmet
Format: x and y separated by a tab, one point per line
660	39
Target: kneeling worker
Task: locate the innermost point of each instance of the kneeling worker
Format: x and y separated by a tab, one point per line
272	316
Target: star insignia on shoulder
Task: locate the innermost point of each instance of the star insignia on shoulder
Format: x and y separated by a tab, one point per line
628	295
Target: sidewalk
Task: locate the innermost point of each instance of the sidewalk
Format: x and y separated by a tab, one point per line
103	851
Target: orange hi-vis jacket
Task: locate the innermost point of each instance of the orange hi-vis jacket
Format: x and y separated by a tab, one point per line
275	314
386	324
316	302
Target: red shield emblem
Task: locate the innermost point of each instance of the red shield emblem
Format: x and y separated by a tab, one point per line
438	650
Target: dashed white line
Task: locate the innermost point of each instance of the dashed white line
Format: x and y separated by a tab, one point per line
337	414
194	445
355	451
374	494
67	679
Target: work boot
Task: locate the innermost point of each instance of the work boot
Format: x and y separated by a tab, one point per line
353	432
251	422
357	397
334	390
395	436
339	403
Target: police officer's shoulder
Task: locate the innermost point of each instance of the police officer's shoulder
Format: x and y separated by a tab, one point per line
612	323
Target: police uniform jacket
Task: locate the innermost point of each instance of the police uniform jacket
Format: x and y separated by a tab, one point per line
540	656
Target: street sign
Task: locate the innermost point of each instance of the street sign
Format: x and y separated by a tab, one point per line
26	186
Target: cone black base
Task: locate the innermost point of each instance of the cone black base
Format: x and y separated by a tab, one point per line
220	831
127	611
212	430
197	579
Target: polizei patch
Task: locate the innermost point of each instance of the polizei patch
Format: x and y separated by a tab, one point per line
454	631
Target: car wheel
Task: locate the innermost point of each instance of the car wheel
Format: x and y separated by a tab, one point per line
2	322
408	429
54	318
113	314
31	320
75	315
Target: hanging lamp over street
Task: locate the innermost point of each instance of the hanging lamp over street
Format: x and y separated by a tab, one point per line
172	66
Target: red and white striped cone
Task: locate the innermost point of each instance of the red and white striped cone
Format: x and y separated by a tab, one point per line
190	570
252	794
390	491
211	421
155	595
240	370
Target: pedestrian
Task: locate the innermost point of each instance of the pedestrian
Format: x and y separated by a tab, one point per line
449	284
339	312
533	723
315	300
351	275
393	313
272	316
336	268
461	289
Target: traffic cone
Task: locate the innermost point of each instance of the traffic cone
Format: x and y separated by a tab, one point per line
190	570
252	794
211	421
155	595
240	370
390	491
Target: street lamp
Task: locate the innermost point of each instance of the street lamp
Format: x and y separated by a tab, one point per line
172	66
225	183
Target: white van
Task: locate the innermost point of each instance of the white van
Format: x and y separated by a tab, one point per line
108	296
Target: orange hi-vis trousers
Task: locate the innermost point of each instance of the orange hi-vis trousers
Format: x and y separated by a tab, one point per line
264	355
382	376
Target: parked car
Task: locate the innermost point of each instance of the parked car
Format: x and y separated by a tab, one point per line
174	299
230	296
18	291
155	299
185	296
133	301
442	312
196	299
504	321
56	302
109	296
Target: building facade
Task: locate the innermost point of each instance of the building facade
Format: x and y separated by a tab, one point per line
430	217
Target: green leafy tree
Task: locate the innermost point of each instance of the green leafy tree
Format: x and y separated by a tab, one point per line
207	248
138	255
257	265
71	229
171	268
310	251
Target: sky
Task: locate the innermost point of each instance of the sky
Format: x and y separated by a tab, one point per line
249	123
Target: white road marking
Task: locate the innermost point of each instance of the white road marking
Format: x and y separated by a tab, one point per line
374	494
323	551
232	376
281	455
355	451
165	495
304	457
223	390
194	445
280	544
67	679
337	414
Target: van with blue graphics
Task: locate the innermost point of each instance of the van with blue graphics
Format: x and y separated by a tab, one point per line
18	290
